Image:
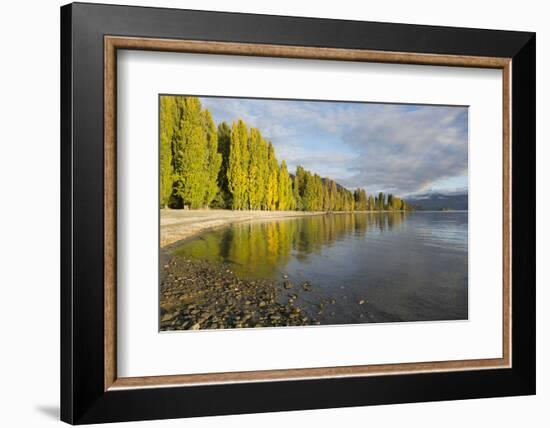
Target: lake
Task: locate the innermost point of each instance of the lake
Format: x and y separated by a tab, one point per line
361	267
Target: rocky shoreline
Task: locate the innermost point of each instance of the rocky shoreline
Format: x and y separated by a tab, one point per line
196	294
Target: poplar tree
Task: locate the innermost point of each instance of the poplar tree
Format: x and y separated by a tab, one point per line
232	167
256	177
318	193
390	201
273	178
263	171
396	203
170	114
326	196
333	194
370	204
214	159
224	140
298	187
381	201
308	197
190	155
285	189
237	171
350	202
360	197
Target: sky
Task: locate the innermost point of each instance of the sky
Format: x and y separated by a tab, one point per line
391	148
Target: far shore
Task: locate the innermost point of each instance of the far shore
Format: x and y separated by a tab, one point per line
178	225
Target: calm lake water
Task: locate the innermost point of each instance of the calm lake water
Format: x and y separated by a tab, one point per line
401	266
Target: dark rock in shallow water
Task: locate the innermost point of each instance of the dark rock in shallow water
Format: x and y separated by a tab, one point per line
306	286
287	284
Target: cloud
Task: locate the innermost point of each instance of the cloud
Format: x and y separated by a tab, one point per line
407	151
403	149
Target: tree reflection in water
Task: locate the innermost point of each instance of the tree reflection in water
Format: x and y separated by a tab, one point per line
262	249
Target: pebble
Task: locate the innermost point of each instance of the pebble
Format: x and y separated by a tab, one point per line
167	317
209	297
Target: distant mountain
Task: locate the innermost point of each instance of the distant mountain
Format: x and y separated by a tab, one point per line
439	201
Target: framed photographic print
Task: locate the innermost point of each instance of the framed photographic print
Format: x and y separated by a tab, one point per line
265	213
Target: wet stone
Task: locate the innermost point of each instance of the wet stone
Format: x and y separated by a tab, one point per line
170	316
203	295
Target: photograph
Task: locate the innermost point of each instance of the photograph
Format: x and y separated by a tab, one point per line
288	212
261	211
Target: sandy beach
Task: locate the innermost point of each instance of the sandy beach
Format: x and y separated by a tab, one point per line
176	225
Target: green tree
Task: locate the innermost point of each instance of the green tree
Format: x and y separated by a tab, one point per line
308	197
190	155
273	179
360	197
256	171
224	141
326	195
349	202
318	192
380	201
333	195
370	204
286	198
396	203
214	159
170	114
237	170
201	165
298	187
263	177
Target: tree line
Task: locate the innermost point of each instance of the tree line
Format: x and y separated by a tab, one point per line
235	167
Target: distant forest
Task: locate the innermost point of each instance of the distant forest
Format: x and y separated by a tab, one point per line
234	167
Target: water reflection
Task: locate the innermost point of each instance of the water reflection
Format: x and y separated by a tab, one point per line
262	249
404	266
